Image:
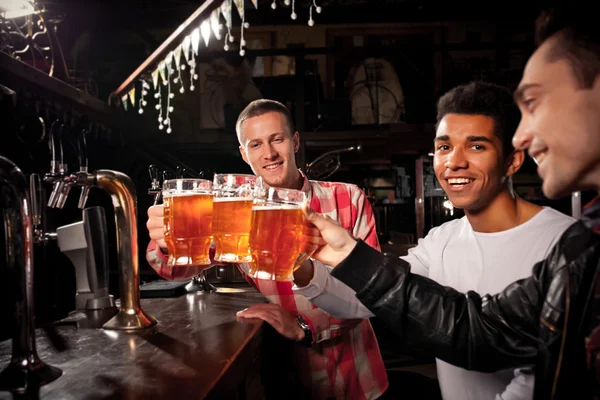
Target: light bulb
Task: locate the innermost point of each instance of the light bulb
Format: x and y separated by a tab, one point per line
242	52
294	16
157	106
160	118
141	111
242	42
311	22
231	39
273	5
318	9
175	80
144	103
171	95
169	130
286	2
182	90
226	47
192	88
183	67
171	109
195	76
160	127
144	92
156	95
246	25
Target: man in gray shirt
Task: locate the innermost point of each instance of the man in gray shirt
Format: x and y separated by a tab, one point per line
495	244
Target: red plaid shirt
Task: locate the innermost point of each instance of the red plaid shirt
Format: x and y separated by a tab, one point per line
344	361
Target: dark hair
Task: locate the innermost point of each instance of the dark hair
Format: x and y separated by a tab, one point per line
260	107
482	98
577	37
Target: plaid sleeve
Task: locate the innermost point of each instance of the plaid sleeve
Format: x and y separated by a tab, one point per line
158	261
357	215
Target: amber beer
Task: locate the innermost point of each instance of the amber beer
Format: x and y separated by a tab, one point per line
188	207
232	215
276	239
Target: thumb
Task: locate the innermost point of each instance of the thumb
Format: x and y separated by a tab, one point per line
318	220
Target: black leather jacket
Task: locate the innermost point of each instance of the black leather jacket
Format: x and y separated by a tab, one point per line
542	320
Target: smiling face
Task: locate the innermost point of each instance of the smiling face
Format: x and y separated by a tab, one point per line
469	162
269	148
560	124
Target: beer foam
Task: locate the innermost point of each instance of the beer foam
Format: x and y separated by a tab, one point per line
186	194
224	199
277	207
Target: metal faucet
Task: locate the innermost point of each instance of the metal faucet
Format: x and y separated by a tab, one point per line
123	195
25	370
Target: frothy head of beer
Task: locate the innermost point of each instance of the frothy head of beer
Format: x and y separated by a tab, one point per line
268	143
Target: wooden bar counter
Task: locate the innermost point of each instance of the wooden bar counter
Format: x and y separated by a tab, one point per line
199	349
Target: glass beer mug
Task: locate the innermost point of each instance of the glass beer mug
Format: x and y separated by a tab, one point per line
277	243
188	207
232	216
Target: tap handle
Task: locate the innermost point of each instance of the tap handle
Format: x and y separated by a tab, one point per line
154	177
166	175
179	172
36	193
82	150
83	196
54	141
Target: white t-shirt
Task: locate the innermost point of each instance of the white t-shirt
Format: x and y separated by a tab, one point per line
456	256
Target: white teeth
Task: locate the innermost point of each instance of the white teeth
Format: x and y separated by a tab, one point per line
457	181
273	166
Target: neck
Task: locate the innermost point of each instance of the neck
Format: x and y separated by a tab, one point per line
294	182
502	213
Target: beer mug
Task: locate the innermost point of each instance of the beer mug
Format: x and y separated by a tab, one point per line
232	216
188	207
277	243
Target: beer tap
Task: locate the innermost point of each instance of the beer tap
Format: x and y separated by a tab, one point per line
37	197
83	166
58	169
122	191
25	370
155	184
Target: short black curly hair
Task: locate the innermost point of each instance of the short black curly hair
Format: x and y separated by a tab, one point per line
483	98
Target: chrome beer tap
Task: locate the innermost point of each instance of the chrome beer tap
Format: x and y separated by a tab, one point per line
58	169
123	195
26	370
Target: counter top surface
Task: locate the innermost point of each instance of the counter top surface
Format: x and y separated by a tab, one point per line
196	340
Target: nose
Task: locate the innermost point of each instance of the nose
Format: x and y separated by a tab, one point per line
456	159
523	136
269	153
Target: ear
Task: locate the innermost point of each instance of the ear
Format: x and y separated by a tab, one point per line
296	141
514	162
244	155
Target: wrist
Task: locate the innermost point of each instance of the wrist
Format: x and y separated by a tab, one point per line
306	337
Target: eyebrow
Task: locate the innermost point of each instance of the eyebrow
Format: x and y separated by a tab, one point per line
445	138
518	96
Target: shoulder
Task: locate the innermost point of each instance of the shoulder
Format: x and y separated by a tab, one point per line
447	228
552	220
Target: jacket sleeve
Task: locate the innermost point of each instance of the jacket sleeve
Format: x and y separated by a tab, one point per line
479	333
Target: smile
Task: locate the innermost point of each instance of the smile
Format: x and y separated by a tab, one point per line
271	167
457	182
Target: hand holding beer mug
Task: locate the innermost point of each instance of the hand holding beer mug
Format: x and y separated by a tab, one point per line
232	216
188	207
277	242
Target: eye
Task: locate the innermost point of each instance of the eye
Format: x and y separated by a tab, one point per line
253	145
443	147
278	140
528	103
477	147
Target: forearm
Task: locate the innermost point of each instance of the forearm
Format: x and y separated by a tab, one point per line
466	330
331	295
